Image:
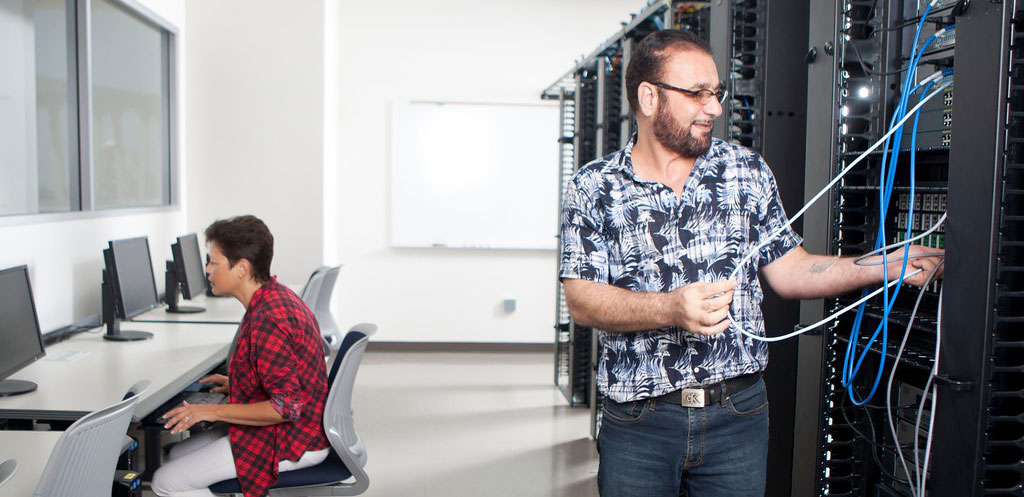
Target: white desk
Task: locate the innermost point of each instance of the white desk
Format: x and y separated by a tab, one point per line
32	450
219	310
176	356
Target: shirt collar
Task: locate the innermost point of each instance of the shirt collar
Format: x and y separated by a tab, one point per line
623	161
258	295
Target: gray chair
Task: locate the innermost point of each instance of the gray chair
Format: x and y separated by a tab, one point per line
7	470
317	295
322	308
342	472
83	460
312	288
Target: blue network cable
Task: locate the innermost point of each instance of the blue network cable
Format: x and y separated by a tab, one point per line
887	184
885	194
848	372
888	308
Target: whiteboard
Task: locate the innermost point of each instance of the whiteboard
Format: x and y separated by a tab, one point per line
474	175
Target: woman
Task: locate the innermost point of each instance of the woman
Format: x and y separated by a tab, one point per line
276	383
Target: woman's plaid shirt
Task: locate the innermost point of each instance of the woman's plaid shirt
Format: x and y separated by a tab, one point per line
279	357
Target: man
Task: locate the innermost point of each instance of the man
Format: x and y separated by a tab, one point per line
650	235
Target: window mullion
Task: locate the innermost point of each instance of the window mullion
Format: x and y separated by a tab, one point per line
84	84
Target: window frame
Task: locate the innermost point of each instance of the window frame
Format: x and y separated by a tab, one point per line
79	45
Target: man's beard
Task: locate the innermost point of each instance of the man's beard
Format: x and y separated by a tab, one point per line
671	135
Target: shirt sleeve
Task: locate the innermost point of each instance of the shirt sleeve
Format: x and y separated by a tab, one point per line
584	250
276	365
772	218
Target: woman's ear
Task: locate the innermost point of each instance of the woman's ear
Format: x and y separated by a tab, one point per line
243	268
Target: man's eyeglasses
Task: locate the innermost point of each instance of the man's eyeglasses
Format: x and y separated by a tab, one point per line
702	96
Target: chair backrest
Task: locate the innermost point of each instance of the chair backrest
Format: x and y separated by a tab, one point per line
83	460
7	469
312	288
338	421
322	307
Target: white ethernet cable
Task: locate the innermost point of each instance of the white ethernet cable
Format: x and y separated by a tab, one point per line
922	472
860	260
827	318
892	377
814	199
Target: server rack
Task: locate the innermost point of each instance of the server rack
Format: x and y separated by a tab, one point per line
567	368
968	165
595	122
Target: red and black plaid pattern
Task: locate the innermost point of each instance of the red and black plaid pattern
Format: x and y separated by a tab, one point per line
279	358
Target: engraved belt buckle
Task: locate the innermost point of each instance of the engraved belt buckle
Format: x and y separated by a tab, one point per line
693	397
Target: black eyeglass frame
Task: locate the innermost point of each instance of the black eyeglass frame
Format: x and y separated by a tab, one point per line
703	95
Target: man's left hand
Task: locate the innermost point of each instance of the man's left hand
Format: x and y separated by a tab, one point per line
925	264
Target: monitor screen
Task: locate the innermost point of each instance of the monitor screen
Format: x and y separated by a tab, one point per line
135	284
189	260
19	328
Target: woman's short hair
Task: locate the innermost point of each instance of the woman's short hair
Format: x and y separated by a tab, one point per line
244	237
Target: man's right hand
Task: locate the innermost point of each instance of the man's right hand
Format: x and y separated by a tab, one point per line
703	307
219	381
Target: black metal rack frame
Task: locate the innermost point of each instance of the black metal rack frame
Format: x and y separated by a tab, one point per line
970	160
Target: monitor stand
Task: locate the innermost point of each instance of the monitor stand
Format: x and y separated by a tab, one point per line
16	387
171	285
114	332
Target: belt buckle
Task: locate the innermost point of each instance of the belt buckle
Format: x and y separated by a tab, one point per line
693	397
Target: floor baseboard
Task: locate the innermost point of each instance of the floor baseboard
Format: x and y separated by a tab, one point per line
458	347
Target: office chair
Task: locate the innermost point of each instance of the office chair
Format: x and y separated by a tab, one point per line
83	460
342	472
317	295
322	308
7	470
312	287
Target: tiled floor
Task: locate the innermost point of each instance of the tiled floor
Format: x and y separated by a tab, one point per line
445	424
473	424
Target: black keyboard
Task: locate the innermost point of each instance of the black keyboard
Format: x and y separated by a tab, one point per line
205	398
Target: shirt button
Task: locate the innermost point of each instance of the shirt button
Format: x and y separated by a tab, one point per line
696	369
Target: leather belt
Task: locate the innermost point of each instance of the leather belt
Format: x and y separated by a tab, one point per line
711	394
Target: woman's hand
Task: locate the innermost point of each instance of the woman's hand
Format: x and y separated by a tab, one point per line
182	418
219	382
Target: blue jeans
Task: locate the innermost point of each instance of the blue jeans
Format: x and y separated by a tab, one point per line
656	449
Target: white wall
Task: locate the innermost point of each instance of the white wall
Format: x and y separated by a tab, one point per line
255	120
447	50
284	109
65	257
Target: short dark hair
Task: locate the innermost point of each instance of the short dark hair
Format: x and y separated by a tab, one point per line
648	58
244	237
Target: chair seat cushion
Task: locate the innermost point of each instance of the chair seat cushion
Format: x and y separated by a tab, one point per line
332	470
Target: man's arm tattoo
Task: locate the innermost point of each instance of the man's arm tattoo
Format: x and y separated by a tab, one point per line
820	267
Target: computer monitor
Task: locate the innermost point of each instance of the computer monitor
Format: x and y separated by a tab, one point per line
184	271
19	330
129	288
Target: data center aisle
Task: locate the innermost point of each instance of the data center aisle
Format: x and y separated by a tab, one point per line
480	424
